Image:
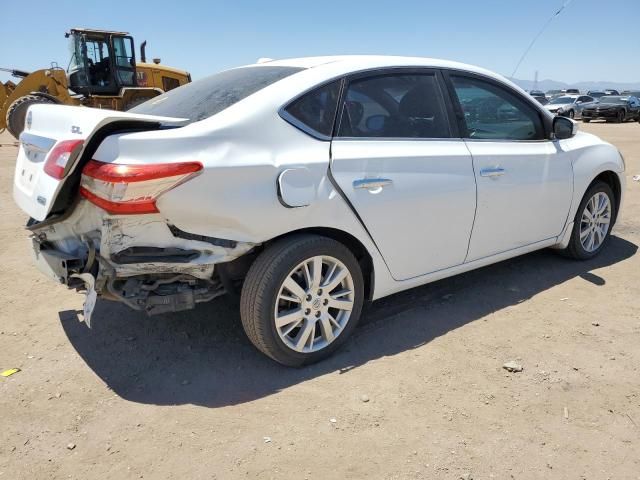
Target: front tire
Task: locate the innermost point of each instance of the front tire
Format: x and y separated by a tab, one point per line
592	223
572	114
621	117
301	299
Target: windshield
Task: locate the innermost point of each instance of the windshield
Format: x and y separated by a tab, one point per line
562	100
208	96
616	100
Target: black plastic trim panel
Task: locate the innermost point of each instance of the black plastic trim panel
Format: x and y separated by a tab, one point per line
220	242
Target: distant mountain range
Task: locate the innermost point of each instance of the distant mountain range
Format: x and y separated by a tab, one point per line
546	85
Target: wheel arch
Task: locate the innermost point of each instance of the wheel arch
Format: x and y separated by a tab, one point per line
352	243
611	178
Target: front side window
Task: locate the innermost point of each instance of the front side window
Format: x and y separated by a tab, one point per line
493	113
316	110
394	106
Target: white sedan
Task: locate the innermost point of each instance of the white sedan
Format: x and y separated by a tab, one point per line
570	105
309	186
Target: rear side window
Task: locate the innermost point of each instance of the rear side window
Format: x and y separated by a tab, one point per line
394	106
206	97
316	110
493	113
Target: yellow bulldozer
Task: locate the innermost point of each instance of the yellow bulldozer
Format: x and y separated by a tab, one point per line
102	73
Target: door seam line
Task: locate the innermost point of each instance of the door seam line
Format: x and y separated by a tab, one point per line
353	209
475	210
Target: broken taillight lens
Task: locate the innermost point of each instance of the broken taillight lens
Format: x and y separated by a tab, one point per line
132	189
59	156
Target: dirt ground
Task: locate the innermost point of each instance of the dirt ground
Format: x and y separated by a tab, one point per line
419	392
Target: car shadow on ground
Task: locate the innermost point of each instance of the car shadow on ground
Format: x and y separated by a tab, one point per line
202	357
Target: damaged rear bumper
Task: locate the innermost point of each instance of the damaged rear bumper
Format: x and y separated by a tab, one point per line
141	261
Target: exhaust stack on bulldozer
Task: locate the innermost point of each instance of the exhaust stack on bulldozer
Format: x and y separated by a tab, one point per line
102	73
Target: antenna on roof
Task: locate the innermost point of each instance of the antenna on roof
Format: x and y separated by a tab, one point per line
560	10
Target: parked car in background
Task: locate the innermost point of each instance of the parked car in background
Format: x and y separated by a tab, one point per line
631	93
571	91
610	91
551	94
596	93
542	100
569	105
539	96
308	185
613	108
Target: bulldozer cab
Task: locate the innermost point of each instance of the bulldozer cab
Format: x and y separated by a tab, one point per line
102	62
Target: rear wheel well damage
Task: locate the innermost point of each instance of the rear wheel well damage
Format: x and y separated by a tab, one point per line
353	244
235	270
611	179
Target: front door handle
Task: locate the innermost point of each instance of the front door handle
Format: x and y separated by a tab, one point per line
492	172
372	183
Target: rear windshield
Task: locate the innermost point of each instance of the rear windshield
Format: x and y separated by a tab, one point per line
206	97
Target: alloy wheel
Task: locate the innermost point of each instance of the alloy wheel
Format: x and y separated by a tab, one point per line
595	220
314	304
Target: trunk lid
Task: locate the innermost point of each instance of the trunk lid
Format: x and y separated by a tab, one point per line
34	190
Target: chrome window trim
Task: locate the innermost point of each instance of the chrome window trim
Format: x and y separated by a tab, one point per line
398	139
506	140
287	117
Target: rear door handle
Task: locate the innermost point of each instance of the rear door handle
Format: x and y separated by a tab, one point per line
372	183
492	172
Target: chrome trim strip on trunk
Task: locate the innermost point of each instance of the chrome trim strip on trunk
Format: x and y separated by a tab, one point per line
36	142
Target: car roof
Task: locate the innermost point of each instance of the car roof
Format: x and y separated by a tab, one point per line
363	62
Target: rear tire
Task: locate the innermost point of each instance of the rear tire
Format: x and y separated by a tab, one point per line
599	198
282	282
17	112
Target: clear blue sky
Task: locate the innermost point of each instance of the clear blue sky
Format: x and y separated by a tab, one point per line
207	36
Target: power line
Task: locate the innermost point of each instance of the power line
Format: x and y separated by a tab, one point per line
566	3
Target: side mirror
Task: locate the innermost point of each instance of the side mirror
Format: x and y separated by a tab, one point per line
564	127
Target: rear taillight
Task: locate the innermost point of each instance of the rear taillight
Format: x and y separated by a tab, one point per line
58	158
132	189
